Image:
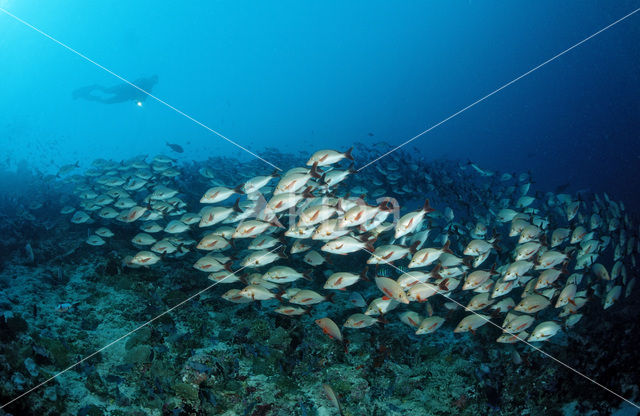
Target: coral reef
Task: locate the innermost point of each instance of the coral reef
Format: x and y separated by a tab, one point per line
212	357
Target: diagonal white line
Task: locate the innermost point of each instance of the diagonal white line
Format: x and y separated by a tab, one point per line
137	87
131	332
508	332
501	88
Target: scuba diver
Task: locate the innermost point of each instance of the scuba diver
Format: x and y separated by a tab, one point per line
118	93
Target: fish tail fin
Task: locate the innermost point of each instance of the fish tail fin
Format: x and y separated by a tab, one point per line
308	275
446	248
569	252
427	207
227	266
236	205
275	173
307	193
384	206
543	240
369	245
77	164
351	170
278	296
314	171
280	252
243	279
496	245
435	273
238	189
329	297
414	247
275	223
347	154
363	274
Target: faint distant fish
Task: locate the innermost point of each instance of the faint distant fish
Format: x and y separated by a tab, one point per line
333	397
29	254
175	147
357	300
65	307
479	170
67	169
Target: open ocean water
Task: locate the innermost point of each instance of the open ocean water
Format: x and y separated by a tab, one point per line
319	208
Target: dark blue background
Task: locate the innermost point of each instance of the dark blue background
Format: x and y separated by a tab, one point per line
307	75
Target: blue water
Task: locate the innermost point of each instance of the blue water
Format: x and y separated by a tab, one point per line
298	77
294	75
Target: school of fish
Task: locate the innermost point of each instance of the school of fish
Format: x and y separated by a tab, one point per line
526	262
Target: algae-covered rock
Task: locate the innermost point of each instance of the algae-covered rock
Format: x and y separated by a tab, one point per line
60	355
89	323
18	381
16	324
137	355
175	297
225	335
186	391
260	330
139	337
96	385
279	338
428	352
161	369
51	394
90	410
31	367
264	366
121	283
12	326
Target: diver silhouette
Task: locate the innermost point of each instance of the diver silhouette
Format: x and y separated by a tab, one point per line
118	93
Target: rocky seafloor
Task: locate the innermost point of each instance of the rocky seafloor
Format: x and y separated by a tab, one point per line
211	357
207	356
